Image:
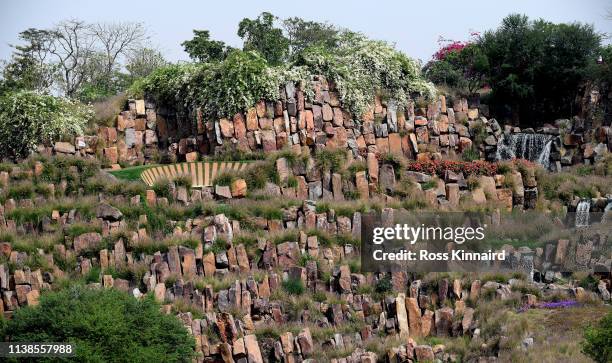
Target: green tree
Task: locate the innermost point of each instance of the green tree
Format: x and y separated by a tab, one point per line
598	340
536	67
28	68
304	34
203	49
464	69
262	36
104	325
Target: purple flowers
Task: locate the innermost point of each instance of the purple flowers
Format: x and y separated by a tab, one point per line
559	304
550	305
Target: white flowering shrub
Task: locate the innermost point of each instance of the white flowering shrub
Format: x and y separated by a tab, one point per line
28	119
361	68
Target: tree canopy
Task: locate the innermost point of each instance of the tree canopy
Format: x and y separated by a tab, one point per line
203	49
261	35
535	68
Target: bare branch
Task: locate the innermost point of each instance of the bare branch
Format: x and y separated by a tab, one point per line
118	39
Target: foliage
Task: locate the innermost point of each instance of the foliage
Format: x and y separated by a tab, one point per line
294	286
461	65
235	84
220	89
598	340
27	68
602	70
439	167
261	35
303	34
470	154
28	119
383	285
203	49
330	159
361	68
105	325
536	66
143	61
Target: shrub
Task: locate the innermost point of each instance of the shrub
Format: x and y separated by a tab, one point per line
105	325
429	185
439	167
162	188
394	160
383	285
28	119
330	159
294	286
598	340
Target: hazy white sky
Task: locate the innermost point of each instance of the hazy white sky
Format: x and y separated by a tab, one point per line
414	26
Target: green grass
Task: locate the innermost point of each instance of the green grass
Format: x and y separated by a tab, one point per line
132	174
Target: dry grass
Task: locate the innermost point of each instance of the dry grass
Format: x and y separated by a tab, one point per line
106	110
557	334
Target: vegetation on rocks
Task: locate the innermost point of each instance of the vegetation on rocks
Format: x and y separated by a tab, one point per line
104	325
28	119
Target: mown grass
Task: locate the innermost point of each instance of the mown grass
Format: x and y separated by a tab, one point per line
131	174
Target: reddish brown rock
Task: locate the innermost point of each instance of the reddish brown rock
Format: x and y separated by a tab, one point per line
362	185
252	348
414	316
239	188
251	119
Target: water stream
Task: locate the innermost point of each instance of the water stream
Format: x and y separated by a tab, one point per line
582	213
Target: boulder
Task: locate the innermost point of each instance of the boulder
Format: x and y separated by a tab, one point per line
108	212
223	191
239	188
64	148
86	241
305	342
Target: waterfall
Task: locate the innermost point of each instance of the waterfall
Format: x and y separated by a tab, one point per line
532	147
582	213
607	214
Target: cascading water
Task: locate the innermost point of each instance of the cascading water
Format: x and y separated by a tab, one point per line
607	214
532	147
582	213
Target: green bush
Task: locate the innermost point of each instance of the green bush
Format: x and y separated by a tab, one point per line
28	119
598	340
294	286
105	326
383	285
332	160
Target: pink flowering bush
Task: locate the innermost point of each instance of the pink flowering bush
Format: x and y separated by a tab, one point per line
439	167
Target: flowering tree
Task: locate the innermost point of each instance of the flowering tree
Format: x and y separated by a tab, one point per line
458	64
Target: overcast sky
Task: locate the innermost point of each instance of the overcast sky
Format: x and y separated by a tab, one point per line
414	26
